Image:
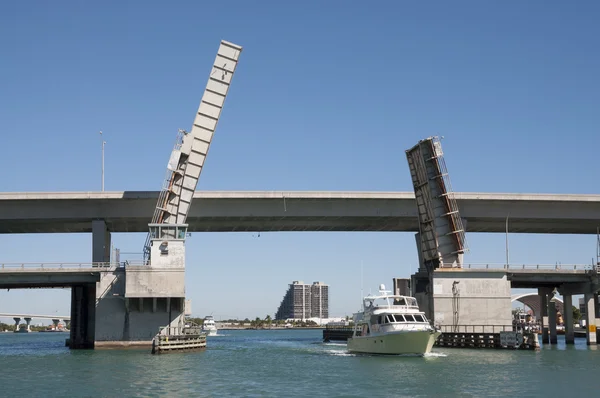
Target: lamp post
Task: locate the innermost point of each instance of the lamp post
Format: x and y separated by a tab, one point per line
103	143
506	241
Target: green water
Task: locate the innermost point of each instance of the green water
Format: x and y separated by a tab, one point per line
289	363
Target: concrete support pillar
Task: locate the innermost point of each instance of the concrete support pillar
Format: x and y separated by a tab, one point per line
55	322
17	321
543	292
28	321
552	320
83	316
100	242
597	307
590	315
568	318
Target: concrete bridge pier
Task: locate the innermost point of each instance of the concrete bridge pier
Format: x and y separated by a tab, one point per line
55	323
568	318
552	321
83	316
543	292
100	242
17	321
590	314
28	321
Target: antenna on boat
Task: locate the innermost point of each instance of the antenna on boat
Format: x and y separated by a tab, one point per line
362	296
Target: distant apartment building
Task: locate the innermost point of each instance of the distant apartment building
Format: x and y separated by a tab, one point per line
303	301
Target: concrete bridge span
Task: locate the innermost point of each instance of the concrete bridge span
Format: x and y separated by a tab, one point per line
231	211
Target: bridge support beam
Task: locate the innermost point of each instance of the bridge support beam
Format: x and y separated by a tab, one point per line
83	316
28	321
17	321
543	292
590	315
568	318
100	242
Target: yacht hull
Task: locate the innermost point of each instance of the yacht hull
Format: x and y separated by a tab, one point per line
210	332
406	342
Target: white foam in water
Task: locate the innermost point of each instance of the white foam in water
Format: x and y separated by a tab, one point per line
435	355
339	353
335	344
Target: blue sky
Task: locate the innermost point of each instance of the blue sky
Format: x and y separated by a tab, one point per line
327	96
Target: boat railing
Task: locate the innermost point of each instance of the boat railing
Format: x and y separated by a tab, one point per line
394	306
338	326
188	328
475	328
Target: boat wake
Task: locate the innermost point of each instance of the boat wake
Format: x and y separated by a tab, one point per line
435	355
338	353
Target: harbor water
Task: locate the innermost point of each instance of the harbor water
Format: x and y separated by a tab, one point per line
277	363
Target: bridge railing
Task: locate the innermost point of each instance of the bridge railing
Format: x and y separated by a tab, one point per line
55	266
547	267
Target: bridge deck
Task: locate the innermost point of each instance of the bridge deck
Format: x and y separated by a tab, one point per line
295	211
22	276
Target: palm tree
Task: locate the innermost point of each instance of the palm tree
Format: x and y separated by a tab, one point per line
268	321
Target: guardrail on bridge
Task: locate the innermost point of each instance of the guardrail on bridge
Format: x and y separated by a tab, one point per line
558	266
55	266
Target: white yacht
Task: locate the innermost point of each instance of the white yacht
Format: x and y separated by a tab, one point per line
208	326
391	324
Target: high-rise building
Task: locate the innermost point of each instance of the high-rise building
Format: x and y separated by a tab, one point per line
304	301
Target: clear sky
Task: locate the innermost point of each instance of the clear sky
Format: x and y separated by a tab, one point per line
327	96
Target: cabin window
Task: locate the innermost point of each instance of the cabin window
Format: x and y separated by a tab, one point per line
419	318
409	318
399	318
389	319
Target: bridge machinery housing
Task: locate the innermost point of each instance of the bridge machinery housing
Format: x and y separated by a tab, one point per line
134	301
452	296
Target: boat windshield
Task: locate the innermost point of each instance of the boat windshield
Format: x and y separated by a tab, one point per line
391	301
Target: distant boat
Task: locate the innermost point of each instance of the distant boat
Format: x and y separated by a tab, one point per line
391	324
209	327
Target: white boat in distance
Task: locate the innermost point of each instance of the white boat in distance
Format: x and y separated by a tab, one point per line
208	326
391	324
